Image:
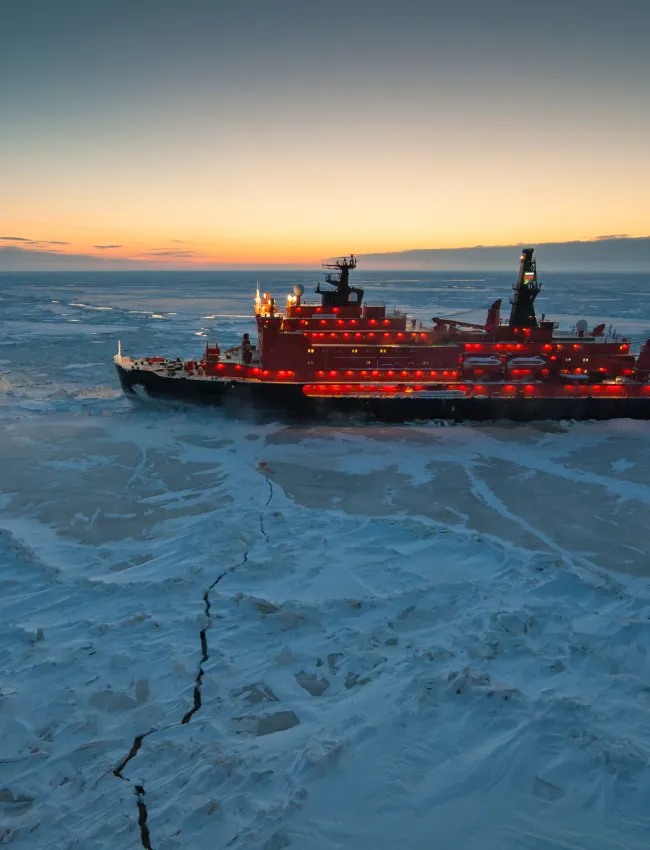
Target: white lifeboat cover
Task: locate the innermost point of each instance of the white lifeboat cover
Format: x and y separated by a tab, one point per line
523	362
482	361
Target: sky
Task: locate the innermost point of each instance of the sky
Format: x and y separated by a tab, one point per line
204	132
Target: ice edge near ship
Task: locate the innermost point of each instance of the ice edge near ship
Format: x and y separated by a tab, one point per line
344	356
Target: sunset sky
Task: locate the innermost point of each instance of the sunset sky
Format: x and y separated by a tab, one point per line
248	132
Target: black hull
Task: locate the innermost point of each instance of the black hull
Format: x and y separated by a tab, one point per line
288	401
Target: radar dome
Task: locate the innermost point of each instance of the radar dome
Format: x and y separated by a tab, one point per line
582	326
298	290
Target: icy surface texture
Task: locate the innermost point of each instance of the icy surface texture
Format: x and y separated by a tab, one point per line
219	633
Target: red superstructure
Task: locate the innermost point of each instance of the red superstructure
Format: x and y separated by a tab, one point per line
342	348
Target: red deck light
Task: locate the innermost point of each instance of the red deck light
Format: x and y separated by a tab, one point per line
349	373
400	336
364	374
358	335
373	321
374	374
333	374
386	321
266	373
340	322
390	374
423	336
323	321
386	334
419	374
219	365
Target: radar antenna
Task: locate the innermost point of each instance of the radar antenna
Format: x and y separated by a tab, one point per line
340	296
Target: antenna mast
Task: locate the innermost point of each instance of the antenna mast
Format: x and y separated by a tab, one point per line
526	288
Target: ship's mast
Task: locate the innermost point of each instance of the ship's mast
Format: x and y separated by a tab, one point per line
340	297
526	288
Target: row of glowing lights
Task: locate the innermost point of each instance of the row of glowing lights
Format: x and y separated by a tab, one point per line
529	389
343	322
287	373
358	335
558	346
468	346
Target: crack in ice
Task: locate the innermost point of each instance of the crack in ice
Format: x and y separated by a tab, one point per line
203	636
142	818
269	482
145	838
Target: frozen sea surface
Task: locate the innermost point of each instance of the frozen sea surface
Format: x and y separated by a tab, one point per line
219	633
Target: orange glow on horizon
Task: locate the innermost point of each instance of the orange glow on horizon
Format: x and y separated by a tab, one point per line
257	251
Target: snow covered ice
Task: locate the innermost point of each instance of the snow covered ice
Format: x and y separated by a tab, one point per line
229	633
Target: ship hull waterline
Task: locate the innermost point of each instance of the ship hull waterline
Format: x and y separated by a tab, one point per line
243	398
